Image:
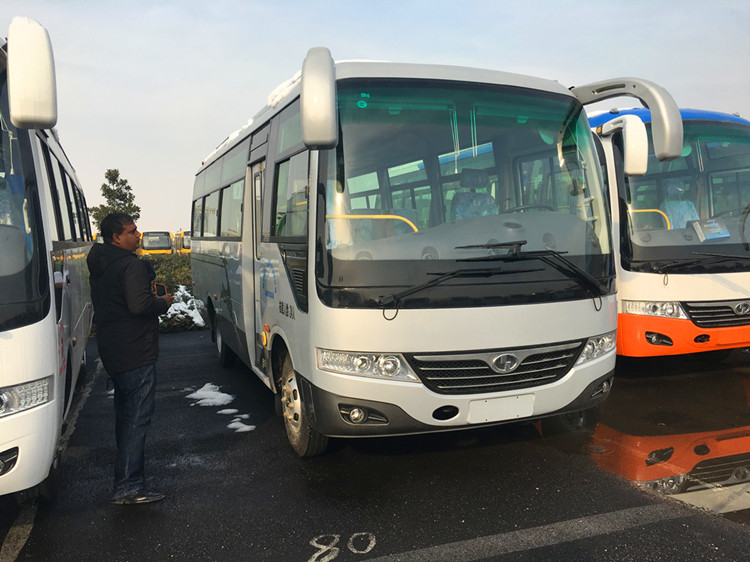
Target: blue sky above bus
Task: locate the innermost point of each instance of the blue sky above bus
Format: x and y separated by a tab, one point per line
687	115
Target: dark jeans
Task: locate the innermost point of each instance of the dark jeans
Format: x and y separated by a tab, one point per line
134	406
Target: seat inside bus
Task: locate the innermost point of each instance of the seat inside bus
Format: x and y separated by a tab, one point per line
469	204
13	255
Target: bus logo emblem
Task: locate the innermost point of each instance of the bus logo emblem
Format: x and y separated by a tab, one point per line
742	309
505	363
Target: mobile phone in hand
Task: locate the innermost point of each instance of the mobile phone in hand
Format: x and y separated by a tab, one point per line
161	289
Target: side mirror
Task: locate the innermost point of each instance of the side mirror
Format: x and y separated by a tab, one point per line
634	142
318	100
31	76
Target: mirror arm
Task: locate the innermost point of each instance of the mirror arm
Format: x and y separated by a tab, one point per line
666	121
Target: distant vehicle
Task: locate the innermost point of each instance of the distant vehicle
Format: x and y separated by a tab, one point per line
45	236
400	248
182	242
156	242
98	239
681	235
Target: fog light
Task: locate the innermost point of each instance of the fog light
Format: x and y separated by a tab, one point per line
655	338
741	473
445	413
357	415
8	460
603	388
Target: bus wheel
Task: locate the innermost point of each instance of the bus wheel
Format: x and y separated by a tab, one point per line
305	440
226	355
46	490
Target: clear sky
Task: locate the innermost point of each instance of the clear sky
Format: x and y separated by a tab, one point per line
152	87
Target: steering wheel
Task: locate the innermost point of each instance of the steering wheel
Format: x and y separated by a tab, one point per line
530	206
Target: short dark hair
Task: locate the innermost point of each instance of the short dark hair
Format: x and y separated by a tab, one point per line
114	223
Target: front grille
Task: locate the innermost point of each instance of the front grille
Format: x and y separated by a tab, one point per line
720	314
717	471
474	373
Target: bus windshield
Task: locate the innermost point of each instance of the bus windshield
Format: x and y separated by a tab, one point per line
156	241
433	177
686	215
22	282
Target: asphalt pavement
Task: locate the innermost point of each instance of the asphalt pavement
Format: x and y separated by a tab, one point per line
236	491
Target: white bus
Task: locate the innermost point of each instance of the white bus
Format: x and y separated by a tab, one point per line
401	248
683	260
45	309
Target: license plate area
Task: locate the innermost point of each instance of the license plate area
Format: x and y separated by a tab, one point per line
501	409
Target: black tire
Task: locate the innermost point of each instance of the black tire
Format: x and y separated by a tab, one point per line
46	490
304	439
226	355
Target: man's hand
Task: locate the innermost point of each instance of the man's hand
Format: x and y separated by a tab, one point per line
169	298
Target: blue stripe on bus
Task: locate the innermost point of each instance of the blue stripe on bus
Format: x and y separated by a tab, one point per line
687	114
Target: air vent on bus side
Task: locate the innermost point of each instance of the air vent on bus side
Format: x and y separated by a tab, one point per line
295	260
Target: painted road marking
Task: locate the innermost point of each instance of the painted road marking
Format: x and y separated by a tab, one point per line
546	535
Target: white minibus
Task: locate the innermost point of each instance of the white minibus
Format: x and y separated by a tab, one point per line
404	248
45	235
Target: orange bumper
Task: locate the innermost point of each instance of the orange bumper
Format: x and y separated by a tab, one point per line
632	342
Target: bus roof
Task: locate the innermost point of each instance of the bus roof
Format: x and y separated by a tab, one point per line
687	115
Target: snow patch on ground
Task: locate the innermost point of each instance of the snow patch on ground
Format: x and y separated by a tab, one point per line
240	427
210	395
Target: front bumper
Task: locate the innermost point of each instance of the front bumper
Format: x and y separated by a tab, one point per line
329	412
634	336
33	435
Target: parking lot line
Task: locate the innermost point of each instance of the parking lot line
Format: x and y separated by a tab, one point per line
546	535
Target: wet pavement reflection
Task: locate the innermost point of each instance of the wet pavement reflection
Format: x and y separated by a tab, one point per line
678	426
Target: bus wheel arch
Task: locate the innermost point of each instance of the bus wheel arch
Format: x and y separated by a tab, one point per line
304	439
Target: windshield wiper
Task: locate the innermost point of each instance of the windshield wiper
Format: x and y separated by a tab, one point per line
713	258
395	298
552	258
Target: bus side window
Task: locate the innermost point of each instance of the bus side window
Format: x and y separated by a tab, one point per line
290	197
52	210
231	209
71	204
197	218
61	199
211	215
83	226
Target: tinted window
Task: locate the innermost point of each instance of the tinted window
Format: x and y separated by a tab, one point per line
291	197
231	209
211	215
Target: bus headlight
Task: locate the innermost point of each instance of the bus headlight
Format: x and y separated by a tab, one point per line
598	346
14	399
390	366
668	309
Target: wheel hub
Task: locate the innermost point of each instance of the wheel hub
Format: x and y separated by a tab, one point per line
291	403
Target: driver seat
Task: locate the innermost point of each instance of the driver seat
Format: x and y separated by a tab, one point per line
468	204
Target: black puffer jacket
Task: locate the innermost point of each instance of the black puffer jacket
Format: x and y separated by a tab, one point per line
126	312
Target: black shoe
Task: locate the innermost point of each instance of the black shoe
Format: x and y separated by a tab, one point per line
139	497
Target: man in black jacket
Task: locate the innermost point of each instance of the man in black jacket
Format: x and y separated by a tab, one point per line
126	314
